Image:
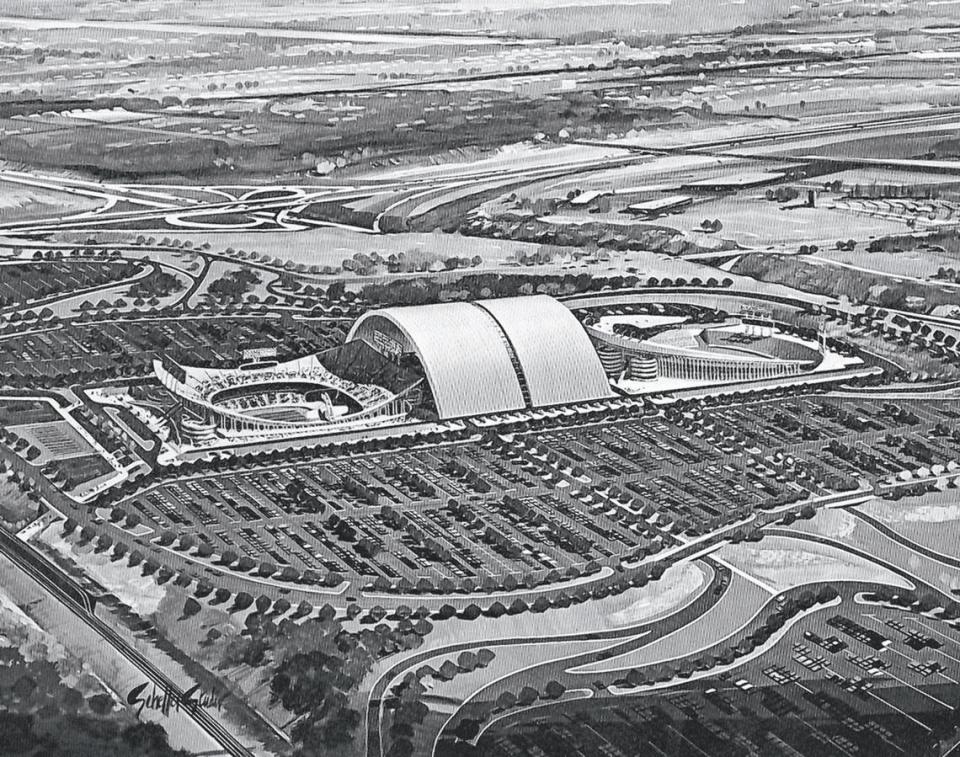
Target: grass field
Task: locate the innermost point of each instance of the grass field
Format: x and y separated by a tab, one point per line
56	440
20	203
914	263
870	541
784	563
677	588
932	521
752	221
330	246
140	592
741	601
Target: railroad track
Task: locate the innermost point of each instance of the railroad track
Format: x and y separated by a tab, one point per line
79	603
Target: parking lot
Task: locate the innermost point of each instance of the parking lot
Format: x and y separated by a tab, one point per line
538	506
109	347
849	680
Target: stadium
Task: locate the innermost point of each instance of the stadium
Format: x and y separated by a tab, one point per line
431	362
296	397
648	348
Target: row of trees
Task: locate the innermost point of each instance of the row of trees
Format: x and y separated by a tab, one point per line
919	602
405	703
729	652
498	284
35	281
468	726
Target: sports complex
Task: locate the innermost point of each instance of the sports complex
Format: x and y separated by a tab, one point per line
451	361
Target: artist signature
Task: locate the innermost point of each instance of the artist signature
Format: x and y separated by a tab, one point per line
166	701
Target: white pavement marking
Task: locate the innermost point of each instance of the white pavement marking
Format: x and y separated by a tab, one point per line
752	579
897	709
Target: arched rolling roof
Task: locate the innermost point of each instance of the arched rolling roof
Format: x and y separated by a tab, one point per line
463	352
479	357
557	358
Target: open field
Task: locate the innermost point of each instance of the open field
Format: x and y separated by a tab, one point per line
910	264
932	520
21	203
636	606
756	222
57	440
784	564
736	607
862	536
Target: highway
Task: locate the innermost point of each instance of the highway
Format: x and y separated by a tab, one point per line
187	213
80	604
953	562
264	211
656	629
786	136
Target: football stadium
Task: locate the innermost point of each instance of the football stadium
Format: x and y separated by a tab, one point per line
648	348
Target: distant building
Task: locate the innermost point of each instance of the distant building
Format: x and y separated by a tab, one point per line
660	206
586	198
732	182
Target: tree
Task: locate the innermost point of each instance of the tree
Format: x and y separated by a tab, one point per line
242	601
554	690
204	549
827	594
518	606
203	589
467	661
528	695
190	608
467	729
183	580
228	557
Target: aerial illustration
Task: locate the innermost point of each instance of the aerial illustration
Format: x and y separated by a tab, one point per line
480	378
